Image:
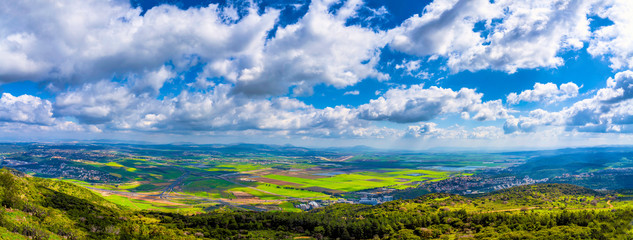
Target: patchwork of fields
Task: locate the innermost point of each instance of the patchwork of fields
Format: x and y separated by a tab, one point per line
249	181
198	177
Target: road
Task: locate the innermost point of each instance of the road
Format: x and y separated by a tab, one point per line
164	194
223	177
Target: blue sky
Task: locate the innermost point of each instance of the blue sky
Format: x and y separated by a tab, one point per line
391	74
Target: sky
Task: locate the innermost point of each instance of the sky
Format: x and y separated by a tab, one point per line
461	74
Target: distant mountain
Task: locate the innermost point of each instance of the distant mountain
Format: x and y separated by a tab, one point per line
357	149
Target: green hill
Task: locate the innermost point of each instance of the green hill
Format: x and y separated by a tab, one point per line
47	209
35	208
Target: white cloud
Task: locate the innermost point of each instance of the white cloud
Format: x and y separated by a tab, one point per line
25	109
96	103
444	27
111	106
78	41
409	66
536	118
153	81
319	48
430	130
422	129
609	110
115	107
486	132
415	104
548	93
219	111
81	43
412	68
614	42
512	35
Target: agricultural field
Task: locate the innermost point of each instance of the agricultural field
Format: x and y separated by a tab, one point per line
538	211
261	177
150	176
351	182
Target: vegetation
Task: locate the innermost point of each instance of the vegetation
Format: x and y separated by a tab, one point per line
101	191
46	209
254	174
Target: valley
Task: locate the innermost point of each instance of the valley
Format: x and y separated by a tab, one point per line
220	191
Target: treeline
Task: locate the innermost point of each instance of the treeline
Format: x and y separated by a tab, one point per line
356	222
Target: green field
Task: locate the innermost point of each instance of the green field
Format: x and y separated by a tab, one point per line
289	207
295	193
258	194
364	180
136	204
214	188
211	173
45	209
237	167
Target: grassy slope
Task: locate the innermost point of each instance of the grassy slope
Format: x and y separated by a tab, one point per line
47	209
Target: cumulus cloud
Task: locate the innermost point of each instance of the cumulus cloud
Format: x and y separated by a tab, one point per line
75	41
248	65
25	115
319	48
25	109
95	103
116	107
538	117
500	35
609	110
422	129
615	42
152	81
415	104
444	26
430	130
548	93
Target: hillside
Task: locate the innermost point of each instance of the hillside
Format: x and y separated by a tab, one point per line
47	209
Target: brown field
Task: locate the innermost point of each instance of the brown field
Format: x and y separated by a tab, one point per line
252	201
243	195
139	196
267	171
